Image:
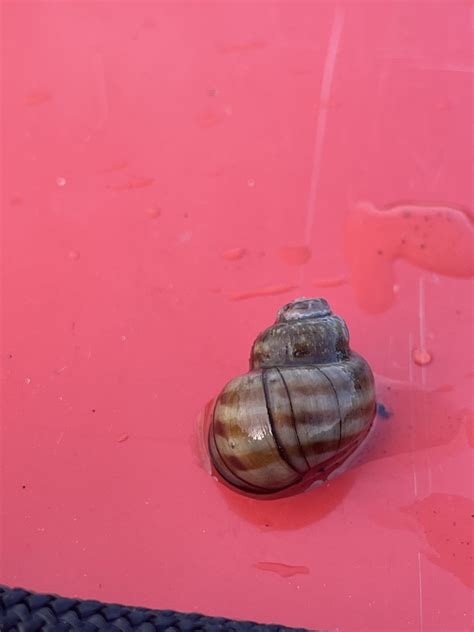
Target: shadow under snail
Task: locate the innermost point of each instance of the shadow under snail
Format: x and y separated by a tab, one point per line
306	404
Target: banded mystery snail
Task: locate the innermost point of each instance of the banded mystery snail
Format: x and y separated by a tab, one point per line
306	404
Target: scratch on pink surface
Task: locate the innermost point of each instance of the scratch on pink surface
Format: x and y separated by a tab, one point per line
209	119
116	166
420	591
99	71
270	290
139	183
444	388
411	413
284	570
244	47
469	423
37	98
422	325
233	254
448	68
331	282
324	98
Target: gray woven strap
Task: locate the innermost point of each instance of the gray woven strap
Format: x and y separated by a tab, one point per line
24	611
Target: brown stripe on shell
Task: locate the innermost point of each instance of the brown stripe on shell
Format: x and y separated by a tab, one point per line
218	427
245	430
221	429
260	455
282	420
229	396
354	384
226	473
316	411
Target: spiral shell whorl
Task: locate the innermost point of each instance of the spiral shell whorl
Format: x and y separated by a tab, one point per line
304	308
305	332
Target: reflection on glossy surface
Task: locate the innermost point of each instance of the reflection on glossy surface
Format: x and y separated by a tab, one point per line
284	570
291	512
420	418
445	520
444	524
432	237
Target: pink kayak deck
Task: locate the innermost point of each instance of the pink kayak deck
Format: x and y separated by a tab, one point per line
174	173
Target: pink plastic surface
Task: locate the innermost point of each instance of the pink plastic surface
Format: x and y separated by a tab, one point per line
173	173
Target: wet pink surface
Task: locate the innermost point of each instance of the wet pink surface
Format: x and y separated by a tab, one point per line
173	173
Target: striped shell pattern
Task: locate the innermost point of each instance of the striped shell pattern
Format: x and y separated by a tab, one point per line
306	404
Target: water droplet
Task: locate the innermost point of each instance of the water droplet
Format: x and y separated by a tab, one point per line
447	239
27	380
295	255
123	437
251	182
153	212
234	254
123	338
232	444
74	255
422	357
60	181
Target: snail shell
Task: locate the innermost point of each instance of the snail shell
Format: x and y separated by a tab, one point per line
306	404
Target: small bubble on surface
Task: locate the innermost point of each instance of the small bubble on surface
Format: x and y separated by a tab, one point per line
186	236
60	181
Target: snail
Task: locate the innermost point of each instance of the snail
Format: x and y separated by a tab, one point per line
306	404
